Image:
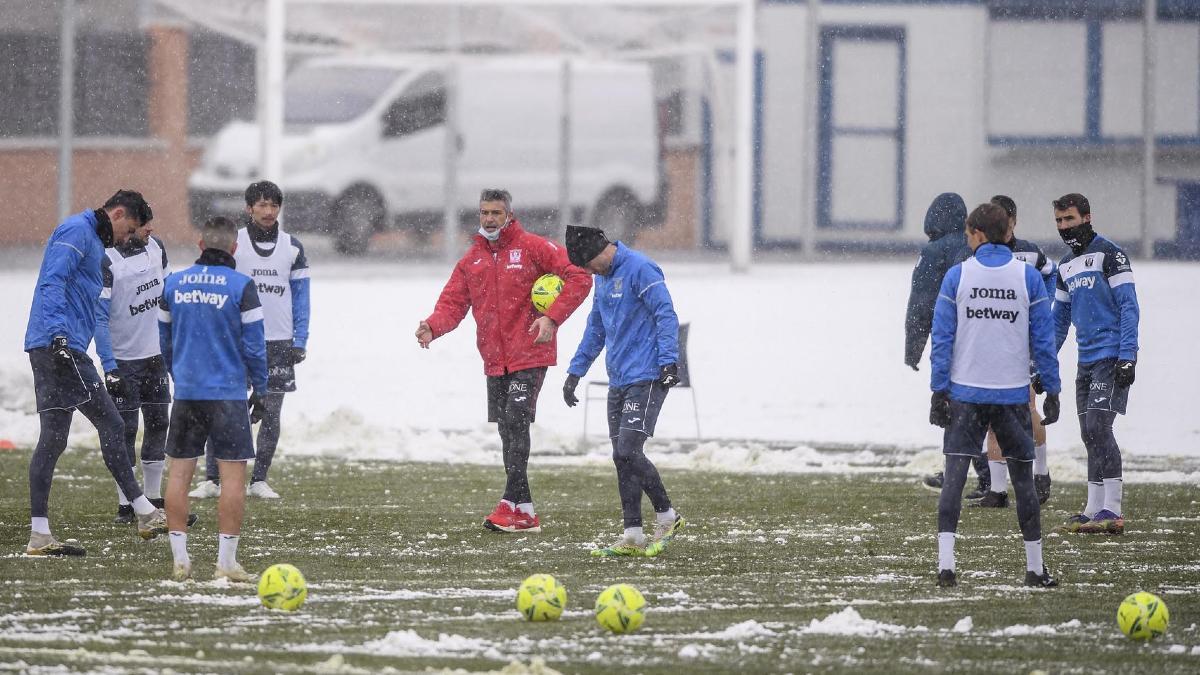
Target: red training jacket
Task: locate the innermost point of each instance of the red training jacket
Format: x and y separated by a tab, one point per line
494	280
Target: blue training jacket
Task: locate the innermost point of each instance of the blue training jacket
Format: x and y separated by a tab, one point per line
1041	334
68	285
632	319
1095	291
210	327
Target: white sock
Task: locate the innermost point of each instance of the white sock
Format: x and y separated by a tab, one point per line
635	535
1095	500
152	478
667	517
179	548
142	506
510	504
1039	460
1114	489
945	551
526	508
121	498
999	473
227	550
40	525
1033	556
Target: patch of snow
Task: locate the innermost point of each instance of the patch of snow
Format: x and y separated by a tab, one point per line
850	622
964	625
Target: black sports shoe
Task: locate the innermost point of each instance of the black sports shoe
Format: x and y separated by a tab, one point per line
161	503
933	481
125	515
996	500
947	579
1043	580
1041	483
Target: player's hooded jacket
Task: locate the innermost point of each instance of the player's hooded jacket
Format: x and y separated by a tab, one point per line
69	282
276	262
1095	291
210	326
132	276
992	315
945	221
494	281
632	319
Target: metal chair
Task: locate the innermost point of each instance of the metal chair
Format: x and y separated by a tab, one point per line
685	382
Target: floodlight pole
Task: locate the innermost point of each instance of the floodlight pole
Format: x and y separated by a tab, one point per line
271	110
564	151
742	232
1149	44
66	107
450	212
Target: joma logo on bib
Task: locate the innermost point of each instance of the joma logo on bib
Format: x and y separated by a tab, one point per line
993	293
147	286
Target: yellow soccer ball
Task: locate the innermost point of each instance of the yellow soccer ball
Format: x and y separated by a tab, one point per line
545	290
282	587
620	608
541	598
1143	616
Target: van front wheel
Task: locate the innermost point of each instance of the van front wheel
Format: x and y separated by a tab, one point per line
358	214
618	214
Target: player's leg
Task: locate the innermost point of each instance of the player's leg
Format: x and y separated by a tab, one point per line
130	419
1012	425
961	442
503	516
520	409
666	521
268	441
1041	469
155	390
629	486
1095	483
233	445
188	431
996	495
1105	403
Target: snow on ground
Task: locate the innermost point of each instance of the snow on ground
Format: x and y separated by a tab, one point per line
803	354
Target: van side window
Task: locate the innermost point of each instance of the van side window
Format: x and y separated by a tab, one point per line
421	106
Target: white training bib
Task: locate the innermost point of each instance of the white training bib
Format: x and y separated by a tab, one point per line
991	345
136	291
272	277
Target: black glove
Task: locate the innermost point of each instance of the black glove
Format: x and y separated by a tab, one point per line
939	409
1124	376
115	384
298	355
1050	409
64	361
258	408
569	390
1038	387
668	376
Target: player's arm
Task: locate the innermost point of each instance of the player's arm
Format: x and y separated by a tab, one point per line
945	325
1049	272
1120	280
1042	335
301	304
1061	311
254	343
452	304
651	287
165	344
63	257
591	344
166	266
577	282
921	300
103	309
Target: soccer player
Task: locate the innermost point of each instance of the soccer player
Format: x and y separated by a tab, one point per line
493	280
944	223
633	320
997	494
276	262
62	322
210	326
992	315
1095	292
127	344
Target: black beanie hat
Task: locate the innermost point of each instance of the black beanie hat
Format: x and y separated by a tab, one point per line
584	243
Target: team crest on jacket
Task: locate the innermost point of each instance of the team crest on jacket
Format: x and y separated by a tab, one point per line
617	284
514	256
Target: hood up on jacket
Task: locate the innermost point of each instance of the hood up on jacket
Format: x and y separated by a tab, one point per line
946	215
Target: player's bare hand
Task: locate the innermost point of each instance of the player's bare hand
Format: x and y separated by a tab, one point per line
545	328
424	335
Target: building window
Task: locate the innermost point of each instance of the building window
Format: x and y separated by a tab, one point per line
221	82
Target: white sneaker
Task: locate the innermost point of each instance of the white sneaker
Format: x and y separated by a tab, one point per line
237	574
152	524
182	572
260	489
206	490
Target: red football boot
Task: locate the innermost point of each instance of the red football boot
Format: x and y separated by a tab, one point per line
524	522
502	518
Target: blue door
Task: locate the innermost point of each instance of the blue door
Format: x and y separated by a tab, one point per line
1187	216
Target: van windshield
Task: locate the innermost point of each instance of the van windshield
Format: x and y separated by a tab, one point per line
330	94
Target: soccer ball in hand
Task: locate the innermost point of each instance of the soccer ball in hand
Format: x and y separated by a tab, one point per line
545	290
282	587
620	608
541	598
1143	616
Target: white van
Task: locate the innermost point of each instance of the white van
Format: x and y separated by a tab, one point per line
363	145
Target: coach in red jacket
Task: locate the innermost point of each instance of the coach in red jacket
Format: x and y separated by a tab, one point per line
516	342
